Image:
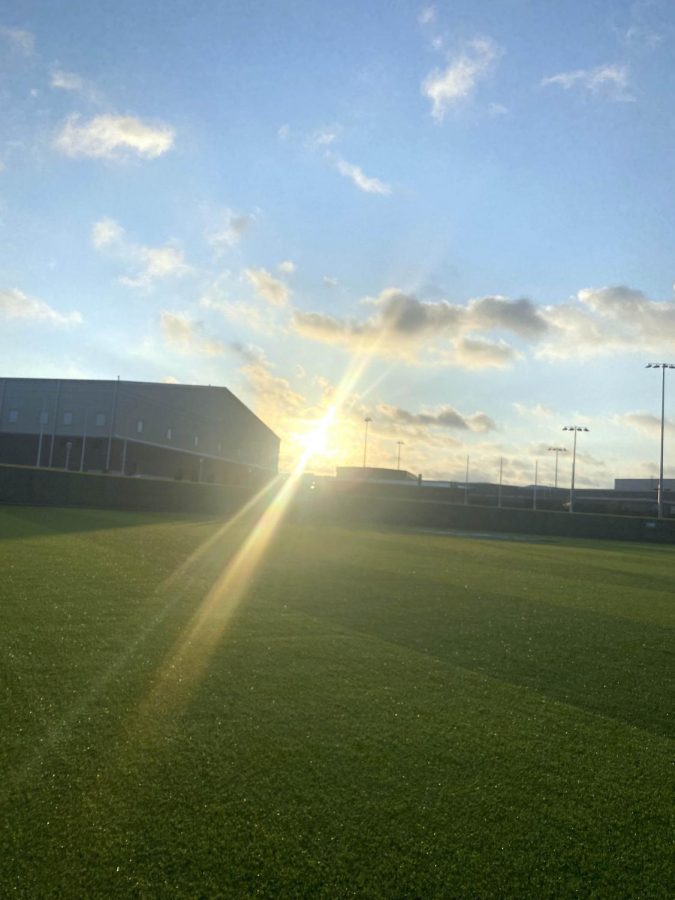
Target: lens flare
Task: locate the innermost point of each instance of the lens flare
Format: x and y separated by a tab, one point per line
190	655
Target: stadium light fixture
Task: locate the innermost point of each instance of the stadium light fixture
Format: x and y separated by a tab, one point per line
557	450
576	429
663	367
367	420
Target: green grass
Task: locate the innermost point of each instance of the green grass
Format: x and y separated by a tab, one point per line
386	714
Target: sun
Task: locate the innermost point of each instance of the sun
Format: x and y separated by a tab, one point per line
316	440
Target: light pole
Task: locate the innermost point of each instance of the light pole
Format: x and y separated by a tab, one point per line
534	491
557	450
69	447
466	484
367	420
398	459
499	492
84	441
575	429
663	367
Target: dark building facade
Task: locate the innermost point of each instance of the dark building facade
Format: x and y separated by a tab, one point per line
157	430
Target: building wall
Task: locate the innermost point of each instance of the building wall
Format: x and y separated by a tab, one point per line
167	430
643	484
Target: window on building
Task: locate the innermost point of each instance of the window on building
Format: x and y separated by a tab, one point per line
100	419
67	418
44	417
139	426
14	415
169	433
196	440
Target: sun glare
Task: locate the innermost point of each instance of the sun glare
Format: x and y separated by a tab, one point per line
317	440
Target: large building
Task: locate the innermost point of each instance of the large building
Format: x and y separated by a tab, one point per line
134	428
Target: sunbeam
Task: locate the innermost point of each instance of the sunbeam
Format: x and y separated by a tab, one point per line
190	655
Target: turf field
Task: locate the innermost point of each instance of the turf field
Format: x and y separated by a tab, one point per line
382	715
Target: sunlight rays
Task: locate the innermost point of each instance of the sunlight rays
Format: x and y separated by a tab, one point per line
186	662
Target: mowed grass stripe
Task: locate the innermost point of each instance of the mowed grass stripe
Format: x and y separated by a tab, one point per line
337	743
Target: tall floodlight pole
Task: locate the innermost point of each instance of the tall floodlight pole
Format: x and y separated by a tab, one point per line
466	483
367	420
84	441
534	492
499	492
663	367
398	459
557	450
576	429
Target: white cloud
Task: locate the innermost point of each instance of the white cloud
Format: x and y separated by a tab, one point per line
358	177
229	231
14	304
114	138
449	86
19	39
149	264
268	287
431	332
187	336
329	281
606	321
609	81
248	315
538	411
287	267
105	232
284	132
69	81
324	137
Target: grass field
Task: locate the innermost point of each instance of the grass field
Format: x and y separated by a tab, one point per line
383	714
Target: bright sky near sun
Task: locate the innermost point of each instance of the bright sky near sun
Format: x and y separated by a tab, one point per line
471	205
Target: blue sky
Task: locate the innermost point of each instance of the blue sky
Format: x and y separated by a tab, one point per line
468	205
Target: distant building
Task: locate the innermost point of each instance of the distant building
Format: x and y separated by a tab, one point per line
135	428
643	484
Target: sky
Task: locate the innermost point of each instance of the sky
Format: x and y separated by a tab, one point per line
455	219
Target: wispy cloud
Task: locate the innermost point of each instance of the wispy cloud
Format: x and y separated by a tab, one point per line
14	304
247	315
19	39
324	137
644	422
609	81
113	137
229	231
427	16
149	264
268	287
287	267
358	177
69	81
457	81
187	337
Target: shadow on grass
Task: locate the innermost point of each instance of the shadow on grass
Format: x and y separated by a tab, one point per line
607	665
21	522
